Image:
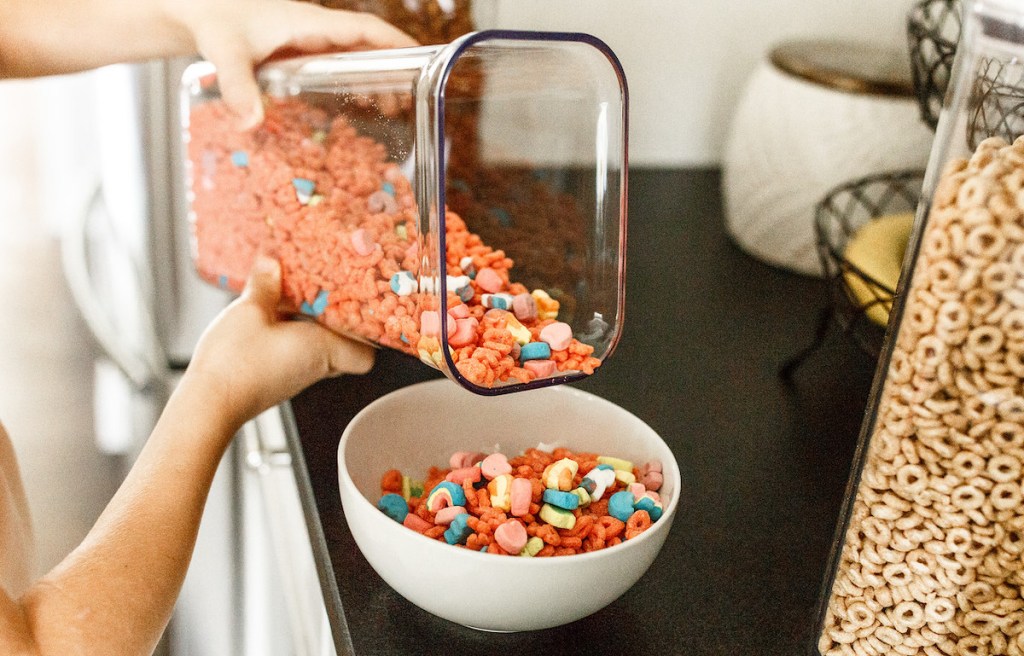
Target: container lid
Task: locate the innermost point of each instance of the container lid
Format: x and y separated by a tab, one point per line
848	66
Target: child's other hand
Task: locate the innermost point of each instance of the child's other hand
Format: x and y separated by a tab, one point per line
252	357
235	35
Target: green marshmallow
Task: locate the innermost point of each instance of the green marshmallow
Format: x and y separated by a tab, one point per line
557	517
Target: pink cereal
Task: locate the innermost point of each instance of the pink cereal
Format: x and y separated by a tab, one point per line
459	311
558	335
416	523
522	495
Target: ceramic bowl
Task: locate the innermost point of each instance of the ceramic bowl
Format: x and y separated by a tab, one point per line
422	425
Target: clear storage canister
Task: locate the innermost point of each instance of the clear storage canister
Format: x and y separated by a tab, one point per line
928	559
463	203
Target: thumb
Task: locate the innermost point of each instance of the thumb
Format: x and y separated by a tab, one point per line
264	285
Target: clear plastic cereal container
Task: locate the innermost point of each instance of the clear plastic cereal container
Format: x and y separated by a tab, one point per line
463	203
928	557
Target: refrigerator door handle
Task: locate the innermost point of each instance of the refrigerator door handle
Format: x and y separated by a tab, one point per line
265	452
144	368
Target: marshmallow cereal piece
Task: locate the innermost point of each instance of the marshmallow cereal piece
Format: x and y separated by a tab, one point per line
467	266
489	280
559	474
652	506
625	477
558	335
616	463
445	494
461	459
394	506
524	307
564	500
457	476
534	351
499	301
362	242
653	480
404	283
303	189
533	546
638	490
430	323
521	495
500	489
557	517
459	311
465	332
458	530
445	515
547	307
620	505
597	481
495	465
520	333
511	536
541	368
583	495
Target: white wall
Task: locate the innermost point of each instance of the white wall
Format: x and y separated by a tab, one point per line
687	61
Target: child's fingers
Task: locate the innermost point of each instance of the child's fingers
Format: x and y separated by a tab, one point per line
315	28
234	63
339	354
264	284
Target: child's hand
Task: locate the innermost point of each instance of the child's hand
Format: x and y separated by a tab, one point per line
251	357
235	35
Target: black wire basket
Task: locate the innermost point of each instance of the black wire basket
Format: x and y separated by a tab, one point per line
933	31
838	216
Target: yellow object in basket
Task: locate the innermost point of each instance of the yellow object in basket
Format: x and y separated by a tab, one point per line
877	250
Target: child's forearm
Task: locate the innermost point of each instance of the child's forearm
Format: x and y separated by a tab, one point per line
61	36
115	592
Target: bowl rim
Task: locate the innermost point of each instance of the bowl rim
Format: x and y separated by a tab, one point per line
658	527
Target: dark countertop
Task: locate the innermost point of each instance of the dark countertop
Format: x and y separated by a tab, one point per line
764	464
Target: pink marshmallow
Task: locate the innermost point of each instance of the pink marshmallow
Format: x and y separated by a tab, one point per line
511	536
558	335
653	480
638	490
450	325
543	368
522	495
362	242
461	474
489	280
524	306
495	465
465	333
445	515
459	311
430	323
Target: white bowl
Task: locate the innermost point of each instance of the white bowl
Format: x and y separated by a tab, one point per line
422	425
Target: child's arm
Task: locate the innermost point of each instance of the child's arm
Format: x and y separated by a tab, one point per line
115	592
63	36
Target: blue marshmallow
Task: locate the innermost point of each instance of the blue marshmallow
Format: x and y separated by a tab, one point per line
458	530
564	500
535	351
620	505
394	506
240	158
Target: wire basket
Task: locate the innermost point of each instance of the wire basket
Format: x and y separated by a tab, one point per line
838	216
933	30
